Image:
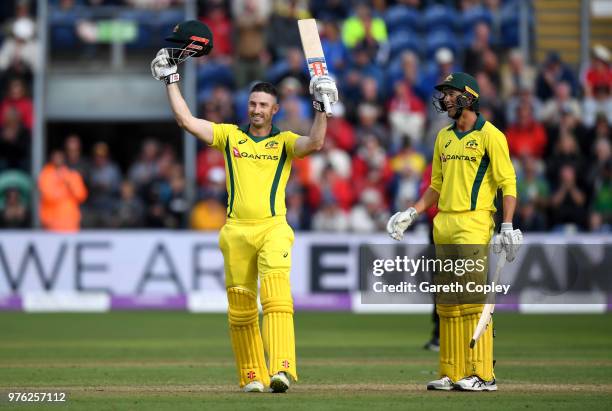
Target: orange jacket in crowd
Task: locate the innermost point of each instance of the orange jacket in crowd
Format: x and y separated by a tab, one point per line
61	192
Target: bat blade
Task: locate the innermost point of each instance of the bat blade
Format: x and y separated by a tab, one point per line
313	51
487	311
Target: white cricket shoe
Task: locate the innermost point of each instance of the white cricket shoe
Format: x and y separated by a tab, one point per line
444	384
279	382
254	386
475	383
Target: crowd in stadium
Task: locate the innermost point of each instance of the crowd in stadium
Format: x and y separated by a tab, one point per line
386	57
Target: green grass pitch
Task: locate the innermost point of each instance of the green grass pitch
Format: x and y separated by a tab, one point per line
181	361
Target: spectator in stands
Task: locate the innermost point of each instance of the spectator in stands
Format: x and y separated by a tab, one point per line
566	153
407	115
17	98
408	166
336	10
562	102
473	58
214	188
516	76
281	30
599	102
330	217
445	65
215	17
601	214
339	130
533	193
489	98
129	210
14	213
19	53
177	204
74	158
601	129
292	89
368	124
527	136
294	118
409	73
599	73
143	171
364	27
369	215
206	160
208	214
250	18
568	202
371	166
15	142
362	66
298	215
602	156
104	186
292	66
332	157
61	192
222	98
553	72
336	53
336	190
370	91
524	96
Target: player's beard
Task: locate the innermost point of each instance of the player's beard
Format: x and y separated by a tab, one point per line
260	121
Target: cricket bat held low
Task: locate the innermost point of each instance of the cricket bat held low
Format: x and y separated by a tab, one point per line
487	311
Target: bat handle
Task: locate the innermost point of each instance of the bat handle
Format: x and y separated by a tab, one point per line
327	105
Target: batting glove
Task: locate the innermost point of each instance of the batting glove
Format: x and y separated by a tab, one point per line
320	85
399	222
508	240
163	69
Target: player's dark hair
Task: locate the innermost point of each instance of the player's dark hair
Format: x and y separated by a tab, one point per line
265	88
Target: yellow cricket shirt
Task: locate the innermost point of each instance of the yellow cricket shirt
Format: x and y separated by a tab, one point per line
469	167
256	170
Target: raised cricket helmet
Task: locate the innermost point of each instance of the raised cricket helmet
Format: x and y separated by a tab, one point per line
463	82
195	38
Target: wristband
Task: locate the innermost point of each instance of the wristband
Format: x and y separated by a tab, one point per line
172	78
318	105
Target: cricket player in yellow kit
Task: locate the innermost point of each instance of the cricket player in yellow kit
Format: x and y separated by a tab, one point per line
470	162
256	239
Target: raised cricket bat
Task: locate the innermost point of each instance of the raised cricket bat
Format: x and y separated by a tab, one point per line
311	43
487	311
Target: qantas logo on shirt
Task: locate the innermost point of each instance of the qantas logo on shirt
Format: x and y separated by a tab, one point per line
444	158
239	154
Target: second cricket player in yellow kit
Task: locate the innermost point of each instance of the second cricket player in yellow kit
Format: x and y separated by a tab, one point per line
470	162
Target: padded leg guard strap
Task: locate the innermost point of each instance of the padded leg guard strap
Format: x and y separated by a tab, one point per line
278	323
246	337
479	360
452	351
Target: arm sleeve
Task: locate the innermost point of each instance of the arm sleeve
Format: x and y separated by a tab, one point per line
77	187
436	169
501	165
220	135
290	140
